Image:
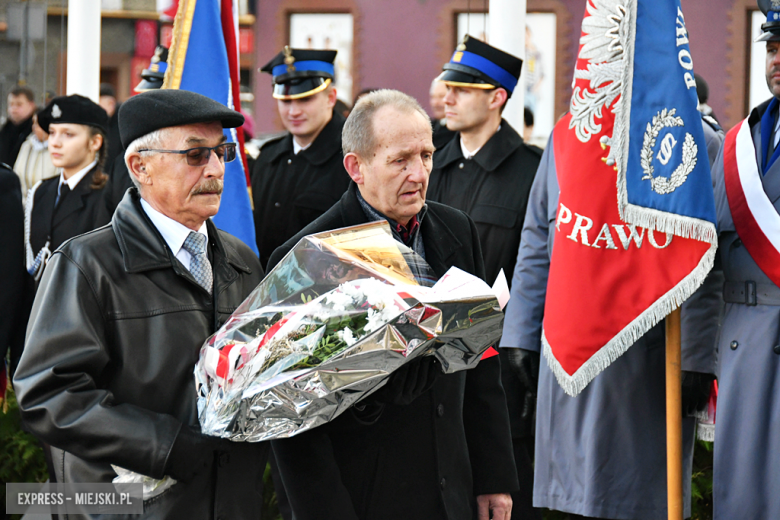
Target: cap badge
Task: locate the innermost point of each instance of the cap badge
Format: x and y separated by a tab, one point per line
56	113
462	45
289	59
776	5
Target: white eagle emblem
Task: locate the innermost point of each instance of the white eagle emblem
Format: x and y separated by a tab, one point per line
56	113
604	46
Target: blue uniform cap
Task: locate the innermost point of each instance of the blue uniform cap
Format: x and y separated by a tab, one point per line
475	64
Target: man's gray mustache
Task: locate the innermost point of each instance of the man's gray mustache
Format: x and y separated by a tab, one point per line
209	186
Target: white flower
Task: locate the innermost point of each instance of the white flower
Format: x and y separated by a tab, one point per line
347	336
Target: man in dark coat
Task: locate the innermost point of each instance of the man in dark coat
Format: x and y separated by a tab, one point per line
423	446
122	312
299	176
13	279
21	107
487	170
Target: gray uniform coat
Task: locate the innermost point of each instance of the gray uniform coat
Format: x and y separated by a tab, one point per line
602	453
747	451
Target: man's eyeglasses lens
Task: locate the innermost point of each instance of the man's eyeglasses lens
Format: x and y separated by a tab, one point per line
199	156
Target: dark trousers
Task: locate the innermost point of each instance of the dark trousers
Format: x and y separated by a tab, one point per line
522	500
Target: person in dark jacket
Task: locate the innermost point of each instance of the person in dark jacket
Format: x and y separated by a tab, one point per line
122	312
423	446
67	205
21	107
13	280
119	180
297	177
487	170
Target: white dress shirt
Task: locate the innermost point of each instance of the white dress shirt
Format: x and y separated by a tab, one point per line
75	179
174	233
298	148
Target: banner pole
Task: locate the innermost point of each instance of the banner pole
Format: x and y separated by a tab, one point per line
674	484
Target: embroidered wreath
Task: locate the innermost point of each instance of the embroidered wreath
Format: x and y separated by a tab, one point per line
663	185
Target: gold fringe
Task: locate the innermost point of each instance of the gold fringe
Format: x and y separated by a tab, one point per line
182	26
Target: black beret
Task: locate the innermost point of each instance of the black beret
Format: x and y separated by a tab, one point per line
155	109
73	109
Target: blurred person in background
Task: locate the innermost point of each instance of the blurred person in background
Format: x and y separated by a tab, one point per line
110	104
441	134
33	163
21	107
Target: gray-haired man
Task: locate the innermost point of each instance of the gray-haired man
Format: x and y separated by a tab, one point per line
425	446
121	314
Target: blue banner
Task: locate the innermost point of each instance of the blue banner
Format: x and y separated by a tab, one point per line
667	167
205	70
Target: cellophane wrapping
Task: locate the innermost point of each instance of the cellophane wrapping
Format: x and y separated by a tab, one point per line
326	328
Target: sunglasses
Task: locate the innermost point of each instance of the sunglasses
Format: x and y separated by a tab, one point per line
200	155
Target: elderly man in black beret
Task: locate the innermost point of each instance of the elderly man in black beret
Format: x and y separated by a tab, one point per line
121	313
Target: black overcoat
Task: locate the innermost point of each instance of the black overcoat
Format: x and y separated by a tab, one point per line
107	372
14	282
289	191
492	188
77	212
425	460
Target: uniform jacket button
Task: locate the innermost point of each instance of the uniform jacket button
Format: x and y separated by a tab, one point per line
461	166
734	345
277	205
440	410
289	161
776	348
443	483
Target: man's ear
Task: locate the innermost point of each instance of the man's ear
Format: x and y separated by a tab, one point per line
137	168
498	97
332	94
352	164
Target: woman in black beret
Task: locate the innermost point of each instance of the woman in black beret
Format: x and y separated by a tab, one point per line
67	205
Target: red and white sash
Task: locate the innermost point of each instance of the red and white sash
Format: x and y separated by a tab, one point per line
755	217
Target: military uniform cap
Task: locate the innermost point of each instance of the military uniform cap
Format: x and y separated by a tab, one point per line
771	28
475	64
156	109
152	77
299	73
74	109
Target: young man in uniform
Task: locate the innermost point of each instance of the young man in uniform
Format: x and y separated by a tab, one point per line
486	170
299	176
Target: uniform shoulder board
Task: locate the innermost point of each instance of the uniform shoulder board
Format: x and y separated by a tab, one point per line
712	122
271	140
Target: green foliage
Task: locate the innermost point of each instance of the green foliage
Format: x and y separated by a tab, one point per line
701	482
270	509
21	456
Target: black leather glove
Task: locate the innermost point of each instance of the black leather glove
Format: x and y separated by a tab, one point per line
696	388
525	365
410	381
190	454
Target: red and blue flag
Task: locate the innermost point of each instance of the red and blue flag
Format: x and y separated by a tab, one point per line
635	226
